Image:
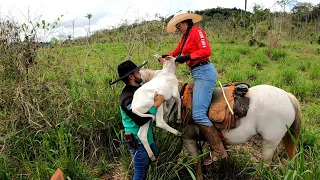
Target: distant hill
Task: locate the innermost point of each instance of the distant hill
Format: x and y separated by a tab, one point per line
226	22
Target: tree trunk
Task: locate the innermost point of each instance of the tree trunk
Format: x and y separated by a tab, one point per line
245	5
89	25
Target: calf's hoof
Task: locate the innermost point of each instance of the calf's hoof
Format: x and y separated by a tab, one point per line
153	158
179	134
179	121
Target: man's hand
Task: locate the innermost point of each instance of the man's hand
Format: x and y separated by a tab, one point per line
158	100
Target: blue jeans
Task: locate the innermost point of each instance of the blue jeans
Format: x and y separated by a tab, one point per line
141	160
205	78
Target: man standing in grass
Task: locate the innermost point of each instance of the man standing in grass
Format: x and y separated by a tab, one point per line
129	74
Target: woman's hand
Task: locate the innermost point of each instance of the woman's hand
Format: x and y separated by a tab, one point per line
161	59
182	59
158	100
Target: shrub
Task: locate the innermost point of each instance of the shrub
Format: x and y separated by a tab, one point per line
258	60
315	71
275	54
289	75
261	44
304	66
301	89
252	42
236	75
315	89
252	74
244	50
273	40
229	55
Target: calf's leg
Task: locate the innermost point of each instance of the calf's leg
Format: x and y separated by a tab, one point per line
176	95
142	134
162	124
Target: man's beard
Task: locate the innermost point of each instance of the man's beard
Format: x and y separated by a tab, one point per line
138	80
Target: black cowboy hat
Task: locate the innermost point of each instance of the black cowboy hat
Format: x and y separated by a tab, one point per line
126	68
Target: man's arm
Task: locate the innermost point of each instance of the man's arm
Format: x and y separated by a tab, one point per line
140	121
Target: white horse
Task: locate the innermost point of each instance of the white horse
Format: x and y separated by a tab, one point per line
271	111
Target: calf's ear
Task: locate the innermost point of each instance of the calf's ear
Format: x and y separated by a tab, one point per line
169	58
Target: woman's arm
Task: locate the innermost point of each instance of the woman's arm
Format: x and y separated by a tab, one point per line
200	39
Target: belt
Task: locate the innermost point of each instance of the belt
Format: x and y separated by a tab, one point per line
201	63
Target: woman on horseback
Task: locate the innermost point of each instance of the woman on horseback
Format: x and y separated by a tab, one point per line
194	50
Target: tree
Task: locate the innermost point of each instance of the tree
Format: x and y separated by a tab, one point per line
284	3
315	14
89	16
301	12
256	17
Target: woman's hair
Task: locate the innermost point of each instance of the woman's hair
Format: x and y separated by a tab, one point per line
190	24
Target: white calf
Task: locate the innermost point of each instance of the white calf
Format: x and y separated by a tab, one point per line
165	83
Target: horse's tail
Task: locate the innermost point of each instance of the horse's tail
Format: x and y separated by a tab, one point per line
294	128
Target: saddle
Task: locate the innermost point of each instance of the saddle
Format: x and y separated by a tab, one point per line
219	112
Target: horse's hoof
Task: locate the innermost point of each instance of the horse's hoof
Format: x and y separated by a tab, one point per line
179	121
179	134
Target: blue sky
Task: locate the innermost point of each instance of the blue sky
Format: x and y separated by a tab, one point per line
109	13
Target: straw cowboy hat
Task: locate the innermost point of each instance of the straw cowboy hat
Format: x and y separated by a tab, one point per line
181	16
126	68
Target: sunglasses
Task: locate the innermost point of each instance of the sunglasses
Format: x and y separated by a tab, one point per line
178	25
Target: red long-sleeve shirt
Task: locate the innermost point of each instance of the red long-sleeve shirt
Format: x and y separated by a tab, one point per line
197	46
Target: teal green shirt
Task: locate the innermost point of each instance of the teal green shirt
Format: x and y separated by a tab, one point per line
131	127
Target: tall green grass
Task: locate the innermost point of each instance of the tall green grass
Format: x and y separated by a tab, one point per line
303	166
70	88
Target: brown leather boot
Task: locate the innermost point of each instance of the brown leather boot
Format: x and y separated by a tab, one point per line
216	146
